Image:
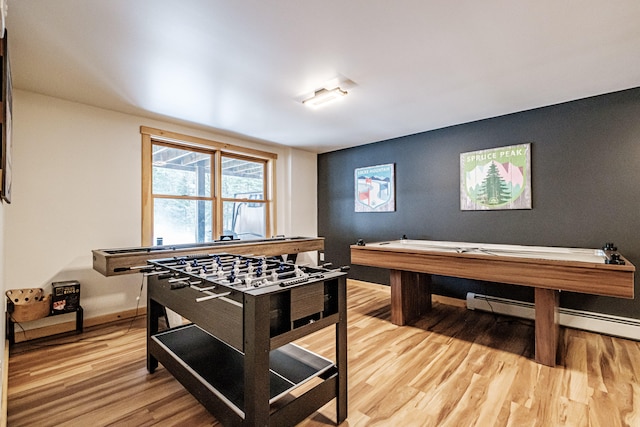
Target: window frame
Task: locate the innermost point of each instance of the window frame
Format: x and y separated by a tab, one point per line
218	150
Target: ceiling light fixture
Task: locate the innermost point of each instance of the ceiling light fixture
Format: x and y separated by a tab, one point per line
324	96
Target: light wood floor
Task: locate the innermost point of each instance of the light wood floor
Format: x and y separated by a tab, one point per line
453	368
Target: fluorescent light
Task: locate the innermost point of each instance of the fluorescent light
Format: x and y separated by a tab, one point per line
324	96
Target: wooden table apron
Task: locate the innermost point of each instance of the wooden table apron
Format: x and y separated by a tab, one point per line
411	270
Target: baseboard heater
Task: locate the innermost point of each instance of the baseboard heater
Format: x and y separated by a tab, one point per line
623	327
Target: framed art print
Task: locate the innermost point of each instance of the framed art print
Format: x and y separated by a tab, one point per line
497	178
375	189
5	124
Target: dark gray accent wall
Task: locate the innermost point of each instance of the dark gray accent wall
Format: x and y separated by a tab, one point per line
585	160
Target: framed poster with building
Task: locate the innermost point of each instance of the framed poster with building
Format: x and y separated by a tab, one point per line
5	134
375	189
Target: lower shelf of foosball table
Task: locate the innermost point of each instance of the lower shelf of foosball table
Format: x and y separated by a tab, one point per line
201	362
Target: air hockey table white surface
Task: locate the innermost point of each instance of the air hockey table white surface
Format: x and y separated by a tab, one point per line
520	251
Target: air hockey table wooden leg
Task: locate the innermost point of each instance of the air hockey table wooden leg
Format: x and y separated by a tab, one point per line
410	296
547	326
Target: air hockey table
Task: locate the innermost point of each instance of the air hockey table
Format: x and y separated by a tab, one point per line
549	270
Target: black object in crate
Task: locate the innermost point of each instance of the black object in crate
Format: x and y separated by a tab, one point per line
65	297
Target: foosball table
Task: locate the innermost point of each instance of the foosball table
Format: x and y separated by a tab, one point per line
236	353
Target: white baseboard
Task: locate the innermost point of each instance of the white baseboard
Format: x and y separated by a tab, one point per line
608	324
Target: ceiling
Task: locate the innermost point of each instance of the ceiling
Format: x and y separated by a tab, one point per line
243	66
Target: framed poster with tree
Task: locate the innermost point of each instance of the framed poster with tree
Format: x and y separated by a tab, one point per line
5	124
497	178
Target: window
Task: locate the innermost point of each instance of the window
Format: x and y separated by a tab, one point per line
243	197
196	191
182	195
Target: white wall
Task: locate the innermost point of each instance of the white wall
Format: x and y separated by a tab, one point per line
301	208
76	187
